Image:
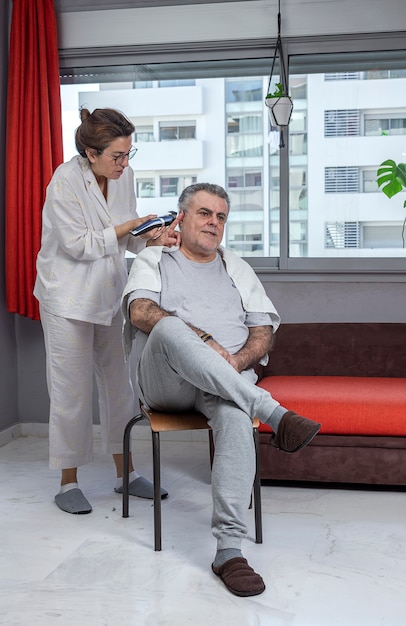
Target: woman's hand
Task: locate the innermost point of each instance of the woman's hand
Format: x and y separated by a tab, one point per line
166	235
124	229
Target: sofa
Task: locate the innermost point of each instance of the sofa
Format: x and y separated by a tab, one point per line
351	377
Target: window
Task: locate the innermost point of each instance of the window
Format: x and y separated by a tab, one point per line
369	183
244	124
242	178
312	205
173	185
341	179
342	123
244	90
172	131
145	187
244	237
187	82
342	235
143	133
384	124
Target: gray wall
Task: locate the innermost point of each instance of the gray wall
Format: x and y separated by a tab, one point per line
8	351
299	298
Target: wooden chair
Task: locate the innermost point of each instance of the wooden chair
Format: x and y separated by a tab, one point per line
165	422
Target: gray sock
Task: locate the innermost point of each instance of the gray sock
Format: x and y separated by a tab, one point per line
225	555
276	417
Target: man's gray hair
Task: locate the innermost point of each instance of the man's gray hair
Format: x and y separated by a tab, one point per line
189	192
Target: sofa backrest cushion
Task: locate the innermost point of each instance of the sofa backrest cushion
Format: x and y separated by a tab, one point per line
338	349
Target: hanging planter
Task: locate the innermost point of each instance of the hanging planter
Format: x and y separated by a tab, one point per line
280	107
279	102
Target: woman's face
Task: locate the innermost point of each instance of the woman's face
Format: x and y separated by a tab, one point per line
105	164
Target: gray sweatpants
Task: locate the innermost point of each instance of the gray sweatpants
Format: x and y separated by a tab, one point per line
178	371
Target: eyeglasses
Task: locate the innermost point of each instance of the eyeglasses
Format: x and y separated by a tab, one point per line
118	160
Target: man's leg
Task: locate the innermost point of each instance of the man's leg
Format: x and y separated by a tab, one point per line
174	352
175	361
233	468
232	479
163	385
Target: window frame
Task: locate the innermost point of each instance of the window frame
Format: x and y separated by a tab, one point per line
299	52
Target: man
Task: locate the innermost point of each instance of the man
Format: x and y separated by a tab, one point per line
202	320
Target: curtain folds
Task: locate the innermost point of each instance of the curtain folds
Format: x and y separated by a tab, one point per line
33	143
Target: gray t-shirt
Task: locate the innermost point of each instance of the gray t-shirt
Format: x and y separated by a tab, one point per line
204	295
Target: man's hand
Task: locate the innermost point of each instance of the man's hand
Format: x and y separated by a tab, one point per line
258	344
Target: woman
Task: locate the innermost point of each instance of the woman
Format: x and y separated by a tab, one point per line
89	210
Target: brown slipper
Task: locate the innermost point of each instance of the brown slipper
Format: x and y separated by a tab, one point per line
294	432
239	577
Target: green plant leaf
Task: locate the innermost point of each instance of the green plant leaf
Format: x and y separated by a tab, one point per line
277	93
391	177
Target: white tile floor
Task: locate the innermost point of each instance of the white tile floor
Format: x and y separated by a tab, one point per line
329	557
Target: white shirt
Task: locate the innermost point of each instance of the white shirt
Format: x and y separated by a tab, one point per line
81	267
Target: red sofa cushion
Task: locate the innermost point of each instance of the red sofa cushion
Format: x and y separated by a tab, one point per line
344	405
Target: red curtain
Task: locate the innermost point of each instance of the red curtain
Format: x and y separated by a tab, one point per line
33	143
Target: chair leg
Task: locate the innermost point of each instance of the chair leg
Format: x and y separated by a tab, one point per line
156	460
126	462
211	447
257	491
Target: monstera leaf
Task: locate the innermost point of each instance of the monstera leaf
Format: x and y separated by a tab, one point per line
392	178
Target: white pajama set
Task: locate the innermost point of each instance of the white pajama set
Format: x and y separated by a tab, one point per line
81	274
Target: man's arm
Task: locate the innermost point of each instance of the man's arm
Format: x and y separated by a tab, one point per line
258	344
144	314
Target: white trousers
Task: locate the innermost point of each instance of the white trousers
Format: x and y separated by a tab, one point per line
76	351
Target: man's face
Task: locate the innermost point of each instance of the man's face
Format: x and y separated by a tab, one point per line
202	226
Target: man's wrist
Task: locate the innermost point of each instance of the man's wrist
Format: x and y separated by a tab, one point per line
206	337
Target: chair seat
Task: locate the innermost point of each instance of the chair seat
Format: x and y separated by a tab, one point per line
165	422
188	420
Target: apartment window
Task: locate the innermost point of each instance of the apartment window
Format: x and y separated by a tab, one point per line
342	76
341	179
244	90
245	237
246	124
242	146
342	235
143	133
377	124
369	183
173	131
173	185
143	84
380	235
243	178
343	123
186	82
145	188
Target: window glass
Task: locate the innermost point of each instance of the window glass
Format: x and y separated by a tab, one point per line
198	121
172	131
145	187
